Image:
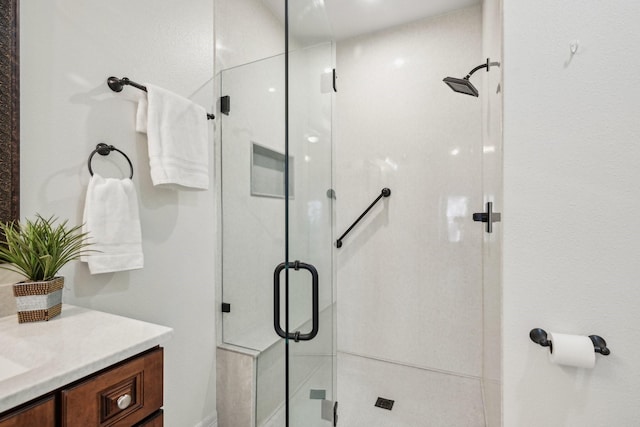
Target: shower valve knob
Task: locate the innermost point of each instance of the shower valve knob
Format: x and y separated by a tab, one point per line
489	217
480	217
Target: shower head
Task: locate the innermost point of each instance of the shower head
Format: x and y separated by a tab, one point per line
464	85
461	85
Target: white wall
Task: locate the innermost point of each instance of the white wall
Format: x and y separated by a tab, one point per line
572	186
246	31
410	274
68	49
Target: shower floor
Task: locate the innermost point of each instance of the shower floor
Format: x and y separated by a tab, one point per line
422	398
307	411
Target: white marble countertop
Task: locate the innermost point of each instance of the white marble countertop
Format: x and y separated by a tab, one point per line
37	358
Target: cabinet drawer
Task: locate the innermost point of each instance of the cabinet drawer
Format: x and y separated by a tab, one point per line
121	396
155	420
41	413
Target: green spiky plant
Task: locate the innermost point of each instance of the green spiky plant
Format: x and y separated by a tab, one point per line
39	249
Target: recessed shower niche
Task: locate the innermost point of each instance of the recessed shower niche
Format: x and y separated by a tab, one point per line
268	172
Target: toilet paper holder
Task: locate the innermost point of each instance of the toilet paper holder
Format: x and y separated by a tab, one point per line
539	336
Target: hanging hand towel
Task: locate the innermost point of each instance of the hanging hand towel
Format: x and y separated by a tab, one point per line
112	220
177	135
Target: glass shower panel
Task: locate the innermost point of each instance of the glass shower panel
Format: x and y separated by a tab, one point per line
252	199
311	363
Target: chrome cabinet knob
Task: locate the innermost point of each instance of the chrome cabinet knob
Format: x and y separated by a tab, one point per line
124	401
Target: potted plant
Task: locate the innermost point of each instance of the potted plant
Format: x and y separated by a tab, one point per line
38	250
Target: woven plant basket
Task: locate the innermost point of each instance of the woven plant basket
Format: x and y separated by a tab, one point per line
38	301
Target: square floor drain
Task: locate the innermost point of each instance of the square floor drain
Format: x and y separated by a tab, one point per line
384	403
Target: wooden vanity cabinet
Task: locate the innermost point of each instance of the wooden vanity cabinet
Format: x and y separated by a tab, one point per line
127	394
155	420
41	413
120	396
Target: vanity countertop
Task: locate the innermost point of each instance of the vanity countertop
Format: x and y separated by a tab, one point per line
37	358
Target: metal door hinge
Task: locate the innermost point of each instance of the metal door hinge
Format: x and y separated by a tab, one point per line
226	307
489	217
329	411
225	104
335	78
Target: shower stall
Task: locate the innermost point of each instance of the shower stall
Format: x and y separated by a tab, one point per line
399	324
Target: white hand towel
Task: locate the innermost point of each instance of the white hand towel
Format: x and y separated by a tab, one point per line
141	116
112	220
178	140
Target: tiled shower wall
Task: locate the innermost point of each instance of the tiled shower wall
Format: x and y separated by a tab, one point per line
492	190
410	275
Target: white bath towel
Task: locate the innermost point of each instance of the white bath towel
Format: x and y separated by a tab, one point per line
112	220
178	140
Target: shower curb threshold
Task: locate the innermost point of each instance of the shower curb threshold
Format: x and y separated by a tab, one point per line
409	365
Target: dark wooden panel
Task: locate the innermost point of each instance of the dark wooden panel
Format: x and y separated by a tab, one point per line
155	420
9	111
41	414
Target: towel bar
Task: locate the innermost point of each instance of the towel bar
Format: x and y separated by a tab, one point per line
104	150
116	85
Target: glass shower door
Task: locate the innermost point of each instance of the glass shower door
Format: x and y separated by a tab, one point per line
277	219
277	208
309	298
310	347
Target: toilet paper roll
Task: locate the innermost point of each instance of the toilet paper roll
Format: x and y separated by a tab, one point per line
572	350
